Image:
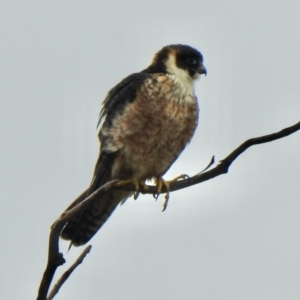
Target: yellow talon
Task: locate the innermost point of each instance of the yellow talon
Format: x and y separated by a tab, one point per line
138	185
160	182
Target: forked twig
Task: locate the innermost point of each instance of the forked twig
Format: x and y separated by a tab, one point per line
66	274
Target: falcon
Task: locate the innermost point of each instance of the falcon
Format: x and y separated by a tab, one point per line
146	122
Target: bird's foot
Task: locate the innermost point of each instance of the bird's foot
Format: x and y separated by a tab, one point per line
139	185
160	183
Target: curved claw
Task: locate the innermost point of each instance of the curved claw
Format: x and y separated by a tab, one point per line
166	202
138	185
160	182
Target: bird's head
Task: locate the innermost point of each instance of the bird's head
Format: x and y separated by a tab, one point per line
180	60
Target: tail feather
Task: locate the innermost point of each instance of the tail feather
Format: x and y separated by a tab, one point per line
85	225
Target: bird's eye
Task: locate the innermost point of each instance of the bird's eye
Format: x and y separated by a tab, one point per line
191	60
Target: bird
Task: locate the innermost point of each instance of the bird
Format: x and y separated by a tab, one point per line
146	122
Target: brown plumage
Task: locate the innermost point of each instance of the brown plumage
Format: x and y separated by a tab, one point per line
149	118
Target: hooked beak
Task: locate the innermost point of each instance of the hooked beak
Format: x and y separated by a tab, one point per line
202	70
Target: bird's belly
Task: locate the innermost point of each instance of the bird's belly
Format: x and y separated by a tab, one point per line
159	139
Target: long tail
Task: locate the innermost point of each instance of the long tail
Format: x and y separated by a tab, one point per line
85	225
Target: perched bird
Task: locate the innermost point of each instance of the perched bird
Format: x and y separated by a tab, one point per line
147	120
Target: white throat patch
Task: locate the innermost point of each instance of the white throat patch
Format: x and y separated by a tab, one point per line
181	74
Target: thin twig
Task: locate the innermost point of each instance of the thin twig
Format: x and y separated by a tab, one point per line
212	161
66	275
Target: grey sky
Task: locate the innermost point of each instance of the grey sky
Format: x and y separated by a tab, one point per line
234	237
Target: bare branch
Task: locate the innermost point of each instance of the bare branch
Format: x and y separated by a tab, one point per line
66	275
56	259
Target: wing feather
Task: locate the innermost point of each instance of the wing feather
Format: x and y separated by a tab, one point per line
83	227
121	95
